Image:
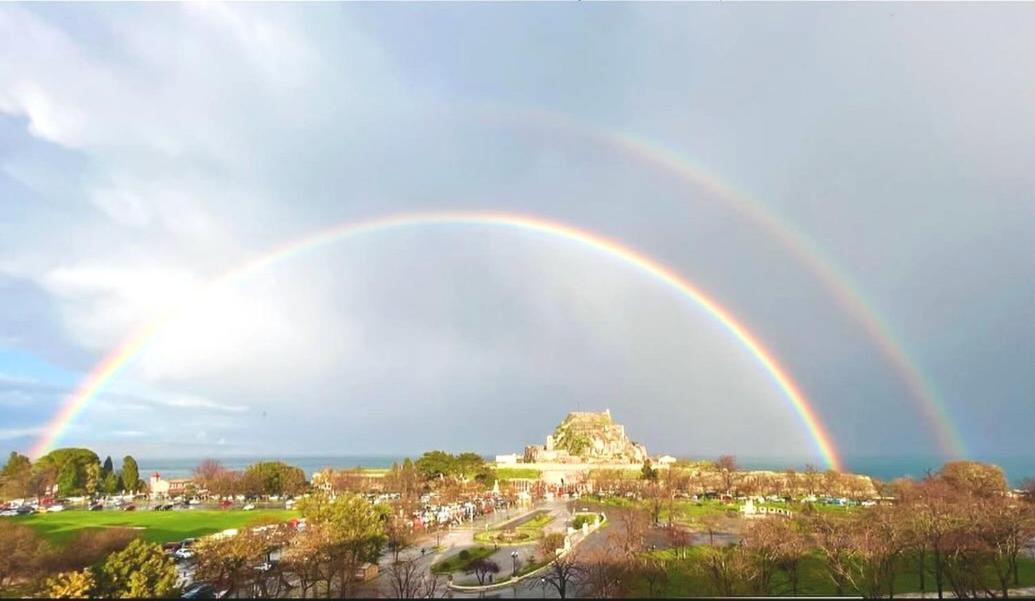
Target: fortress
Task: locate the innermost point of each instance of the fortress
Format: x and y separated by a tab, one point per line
587	437
583	442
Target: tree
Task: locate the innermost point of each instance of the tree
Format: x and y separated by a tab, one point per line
110	483
16	477
70	585
629	532
1028	488
87	548
647	472
274	478
832	536
762	542
564	573
408	580
76	471
1005	528
601	574
481	568
811	479
107	468
681	540
130	473
23	552
69	481
726	466
880	540
435	464
652	569
139	570
792	548
232	562
399	537
832	482
974	477
724	567
207	473
353	532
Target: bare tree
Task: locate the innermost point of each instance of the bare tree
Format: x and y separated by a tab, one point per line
604	575
724	567
652	570
482	568
832	536
881	540
564	573
680	539
726	467
811	479
399	537
408	580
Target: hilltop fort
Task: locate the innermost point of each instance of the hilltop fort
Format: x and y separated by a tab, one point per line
587	437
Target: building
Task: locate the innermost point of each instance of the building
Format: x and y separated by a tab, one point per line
587	437
169	488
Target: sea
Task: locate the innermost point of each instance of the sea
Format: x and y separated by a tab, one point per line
886	468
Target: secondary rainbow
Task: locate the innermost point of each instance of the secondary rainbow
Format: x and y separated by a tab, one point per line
834	279
108	368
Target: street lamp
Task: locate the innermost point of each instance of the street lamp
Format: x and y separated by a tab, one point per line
542	581
514	557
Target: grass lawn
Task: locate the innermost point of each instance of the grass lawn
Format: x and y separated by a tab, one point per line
155	526
456	563
507	473
686	581
531	530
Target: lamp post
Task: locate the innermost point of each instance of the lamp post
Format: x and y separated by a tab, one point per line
542	581
514	558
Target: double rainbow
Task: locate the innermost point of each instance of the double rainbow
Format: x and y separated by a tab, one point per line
834	279
116	361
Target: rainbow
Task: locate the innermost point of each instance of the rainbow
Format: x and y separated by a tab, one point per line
111	365
835	280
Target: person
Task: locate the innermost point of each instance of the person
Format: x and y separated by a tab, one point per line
423	551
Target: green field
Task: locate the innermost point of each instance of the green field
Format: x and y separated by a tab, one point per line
508	473
154	526
528	531
456	563
684	580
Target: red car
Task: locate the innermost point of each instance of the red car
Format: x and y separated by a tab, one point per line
225	503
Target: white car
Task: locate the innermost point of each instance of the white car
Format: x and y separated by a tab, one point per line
56	508
183	553
8	513
248	507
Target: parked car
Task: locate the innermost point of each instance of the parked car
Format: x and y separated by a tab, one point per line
56	508
225	503
202	590
8	513
248	507
97	507
171	547
187	542
129	507
183	553
24	510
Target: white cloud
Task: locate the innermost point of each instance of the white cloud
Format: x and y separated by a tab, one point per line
12	433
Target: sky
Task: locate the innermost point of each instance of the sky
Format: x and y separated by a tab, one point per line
146	149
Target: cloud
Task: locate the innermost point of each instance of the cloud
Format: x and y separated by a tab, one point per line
145	151
14	433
